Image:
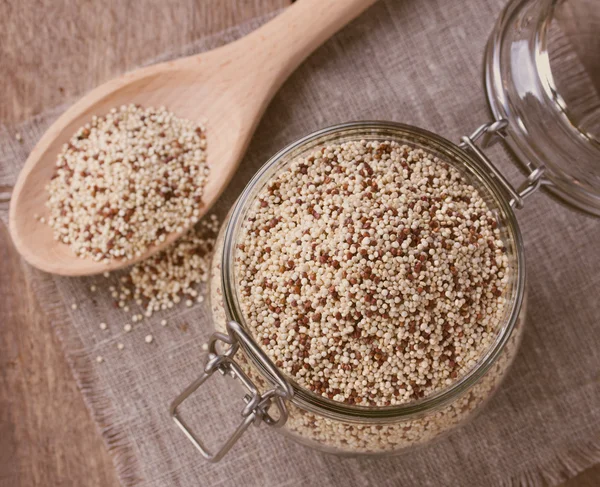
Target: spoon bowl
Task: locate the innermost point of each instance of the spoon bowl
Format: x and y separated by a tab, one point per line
227	89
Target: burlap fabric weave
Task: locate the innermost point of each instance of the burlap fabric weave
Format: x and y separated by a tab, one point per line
417	62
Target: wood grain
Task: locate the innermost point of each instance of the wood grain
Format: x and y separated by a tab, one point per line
97	41
46	435
204	86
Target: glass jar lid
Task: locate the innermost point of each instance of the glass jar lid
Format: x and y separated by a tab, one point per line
542	75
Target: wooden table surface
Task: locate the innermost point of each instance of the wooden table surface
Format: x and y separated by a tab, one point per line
46	434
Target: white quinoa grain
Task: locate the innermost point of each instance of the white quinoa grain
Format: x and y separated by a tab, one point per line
103	326
149	338
126	180
74	306
127	328
157	282
163	322
99	359
120	346
372	273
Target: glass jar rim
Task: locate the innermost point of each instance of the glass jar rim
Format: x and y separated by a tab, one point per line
310	401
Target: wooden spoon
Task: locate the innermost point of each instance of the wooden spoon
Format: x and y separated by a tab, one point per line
229	87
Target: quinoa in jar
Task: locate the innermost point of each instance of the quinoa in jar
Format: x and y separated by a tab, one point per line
377	269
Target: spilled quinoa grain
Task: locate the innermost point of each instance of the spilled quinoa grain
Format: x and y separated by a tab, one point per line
372	273
171	276
125	181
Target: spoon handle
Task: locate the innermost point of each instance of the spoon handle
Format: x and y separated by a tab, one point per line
282	44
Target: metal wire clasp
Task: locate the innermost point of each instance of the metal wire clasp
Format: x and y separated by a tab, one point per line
490	133
257	403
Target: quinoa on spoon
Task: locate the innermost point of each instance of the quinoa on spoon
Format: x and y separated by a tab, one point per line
206	87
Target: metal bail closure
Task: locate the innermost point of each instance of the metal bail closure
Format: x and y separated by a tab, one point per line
257	403
490	133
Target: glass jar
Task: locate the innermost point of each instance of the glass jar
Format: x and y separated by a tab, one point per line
546	110
338	427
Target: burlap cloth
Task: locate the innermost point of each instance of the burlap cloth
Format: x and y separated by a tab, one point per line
412	61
